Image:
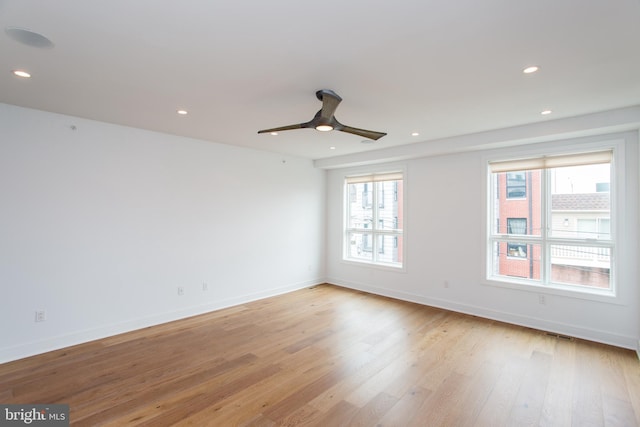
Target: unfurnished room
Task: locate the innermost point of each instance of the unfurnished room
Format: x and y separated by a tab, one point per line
337	213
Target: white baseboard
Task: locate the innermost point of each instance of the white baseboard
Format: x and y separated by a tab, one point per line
79	337
576	331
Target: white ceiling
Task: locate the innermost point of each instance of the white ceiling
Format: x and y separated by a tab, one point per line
437	67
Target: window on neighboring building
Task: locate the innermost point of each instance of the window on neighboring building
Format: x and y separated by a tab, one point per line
594	228
516	185
561	224
373	224
366	195
517	226
366	239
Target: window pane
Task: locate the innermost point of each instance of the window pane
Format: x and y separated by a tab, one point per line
360	216
389	210
367	196
392	253
514	259
381	195
360	245
580	202
581	265
520	215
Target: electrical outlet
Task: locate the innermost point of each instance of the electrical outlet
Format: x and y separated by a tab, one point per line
205	286
542	300
180	290
41	316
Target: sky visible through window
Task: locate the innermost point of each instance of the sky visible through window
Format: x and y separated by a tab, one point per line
579	179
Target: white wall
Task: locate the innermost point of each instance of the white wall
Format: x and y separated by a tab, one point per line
101	224
445	239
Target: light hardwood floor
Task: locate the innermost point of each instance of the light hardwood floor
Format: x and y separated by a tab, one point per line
327	356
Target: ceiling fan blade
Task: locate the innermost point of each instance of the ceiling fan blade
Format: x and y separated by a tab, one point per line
281	128
330	101
362	132
325	120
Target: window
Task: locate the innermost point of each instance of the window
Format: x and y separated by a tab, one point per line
373	222
516	185
593	228
517	226
366	240
558	231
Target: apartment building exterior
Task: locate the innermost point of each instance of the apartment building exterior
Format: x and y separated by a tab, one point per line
582	215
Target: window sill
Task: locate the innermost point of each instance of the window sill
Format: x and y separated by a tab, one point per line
380	266
604	296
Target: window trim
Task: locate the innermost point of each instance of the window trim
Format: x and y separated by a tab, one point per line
616	143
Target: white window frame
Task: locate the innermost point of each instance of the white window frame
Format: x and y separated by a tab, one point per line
375	231
617	191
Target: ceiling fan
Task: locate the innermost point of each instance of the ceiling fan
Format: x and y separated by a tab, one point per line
324	120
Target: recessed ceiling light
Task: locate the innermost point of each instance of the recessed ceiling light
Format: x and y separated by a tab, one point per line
530	70
21	73
545	112
332	148
414	134
182	112
274	133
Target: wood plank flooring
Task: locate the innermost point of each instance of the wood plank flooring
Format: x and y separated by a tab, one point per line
327	356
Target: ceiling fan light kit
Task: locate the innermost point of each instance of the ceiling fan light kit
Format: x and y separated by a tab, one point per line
325	120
